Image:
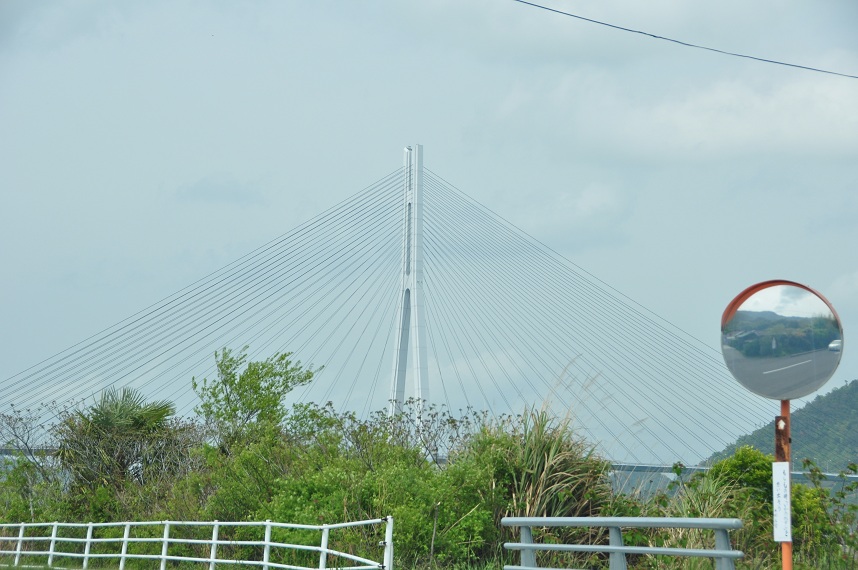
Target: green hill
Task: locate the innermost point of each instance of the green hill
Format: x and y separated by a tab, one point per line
825	430
752	333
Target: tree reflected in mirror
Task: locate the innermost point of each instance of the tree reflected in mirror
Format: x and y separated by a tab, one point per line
781	340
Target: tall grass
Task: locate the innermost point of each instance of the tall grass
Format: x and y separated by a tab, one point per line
558	474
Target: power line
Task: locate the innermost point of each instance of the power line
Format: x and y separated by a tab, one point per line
686	44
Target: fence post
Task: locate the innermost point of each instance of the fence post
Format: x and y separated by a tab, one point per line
53	544
617	559
125	537
528	556
213	551
164	546
388	544
213	555
323	555
722	542
20	543
266	553
87	545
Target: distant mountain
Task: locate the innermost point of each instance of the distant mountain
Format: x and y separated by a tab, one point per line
766	334
825	430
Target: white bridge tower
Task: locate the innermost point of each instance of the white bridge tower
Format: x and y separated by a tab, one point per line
410	317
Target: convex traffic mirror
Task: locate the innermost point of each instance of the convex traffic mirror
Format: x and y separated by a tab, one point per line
781	340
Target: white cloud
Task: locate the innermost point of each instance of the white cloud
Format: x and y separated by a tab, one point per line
722	119
811	116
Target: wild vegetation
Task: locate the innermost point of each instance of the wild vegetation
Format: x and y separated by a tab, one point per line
446	479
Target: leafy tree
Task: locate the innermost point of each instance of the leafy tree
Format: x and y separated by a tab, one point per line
346	468
247	395
750	469
23	431
29	481
827	517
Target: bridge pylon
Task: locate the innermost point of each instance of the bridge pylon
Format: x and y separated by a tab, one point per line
410	320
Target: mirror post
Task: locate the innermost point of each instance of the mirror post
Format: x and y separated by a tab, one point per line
782	434
754	321
782	453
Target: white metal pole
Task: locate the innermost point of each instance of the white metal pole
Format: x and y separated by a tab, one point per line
214	546
125	537
20	542
53	544
388	544
87	546
266	554
164	546
323	554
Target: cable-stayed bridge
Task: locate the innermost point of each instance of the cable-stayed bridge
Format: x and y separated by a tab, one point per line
504	322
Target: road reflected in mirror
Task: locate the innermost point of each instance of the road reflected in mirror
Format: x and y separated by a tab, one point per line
783	341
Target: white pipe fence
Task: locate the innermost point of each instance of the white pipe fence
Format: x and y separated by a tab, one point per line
723	554
102	541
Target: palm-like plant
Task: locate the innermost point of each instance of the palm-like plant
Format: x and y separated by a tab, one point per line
113	439
127	410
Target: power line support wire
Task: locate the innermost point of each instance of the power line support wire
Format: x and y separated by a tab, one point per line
410	319
686	44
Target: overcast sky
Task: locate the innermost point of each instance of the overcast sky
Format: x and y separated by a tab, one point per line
146	144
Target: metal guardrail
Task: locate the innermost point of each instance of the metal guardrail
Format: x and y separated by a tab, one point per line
22	535
616	549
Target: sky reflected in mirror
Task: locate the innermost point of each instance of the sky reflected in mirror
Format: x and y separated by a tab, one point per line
783	342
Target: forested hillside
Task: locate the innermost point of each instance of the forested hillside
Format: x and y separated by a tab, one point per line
825	430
